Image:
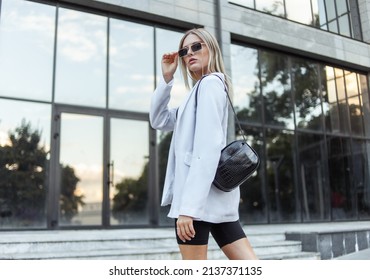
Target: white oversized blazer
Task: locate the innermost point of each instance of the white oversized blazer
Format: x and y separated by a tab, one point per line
199	134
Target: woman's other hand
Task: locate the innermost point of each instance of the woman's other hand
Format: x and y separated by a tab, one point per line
184	228
169	65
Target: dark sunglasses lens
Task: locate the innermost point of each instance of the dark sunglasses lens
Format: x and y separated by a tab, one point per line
182	52
196	47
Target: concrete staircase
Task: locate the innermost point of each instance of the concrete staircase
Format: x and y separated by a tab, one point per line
131	244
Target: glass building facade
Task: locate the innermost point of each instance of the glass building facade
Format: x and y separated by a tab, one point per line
76	147
337	16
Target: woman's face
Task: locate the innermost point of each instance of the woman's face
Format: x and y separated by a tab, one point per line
196	61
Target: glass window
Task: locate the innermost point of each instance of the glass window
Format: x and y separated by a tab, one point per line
316	12
344	26
168	41
341	7
330	9
365	103
354	103
129	171
81	174
341	172
276	88
330	102
355	111
26	49
299	11
362	176
333	26
351	83
24	163
339	79
246	88
322	14
253	206
305	83
342	102
274	7
281	190
81	59
131	66
313	177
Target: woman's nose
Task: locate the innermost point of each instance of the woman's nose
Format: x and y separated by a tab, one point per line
190	51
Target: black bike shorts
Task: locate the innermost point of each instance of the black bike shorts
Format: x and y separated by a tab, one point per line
223	233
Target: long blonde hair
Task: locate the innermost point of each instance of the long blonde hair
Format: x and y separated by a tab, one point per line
215	62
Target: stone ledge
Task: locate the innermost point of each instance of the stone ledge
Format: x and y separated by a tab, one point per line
332	244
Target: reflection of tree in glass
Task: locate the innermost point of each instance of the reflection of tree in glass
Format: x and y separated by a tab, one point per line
69	199
23	177
131	195
277	8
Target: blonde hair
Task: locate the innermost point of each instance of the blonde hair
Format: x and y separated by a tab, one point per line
215	62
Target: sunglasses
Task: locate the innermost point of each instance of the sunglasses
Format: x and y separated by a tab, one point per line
194	48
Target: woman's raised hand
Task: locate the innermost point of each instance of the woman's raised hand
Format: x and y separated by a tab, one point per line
169	65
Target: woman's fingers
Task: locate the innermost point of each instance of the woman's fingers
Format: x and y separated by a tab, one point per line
170	57
185	228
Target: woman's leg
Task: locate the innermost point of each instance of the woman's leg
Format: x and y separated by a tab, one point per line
197	247
239	250
193	252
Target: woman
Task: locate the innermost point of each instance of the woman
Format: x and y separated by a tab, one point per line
199	128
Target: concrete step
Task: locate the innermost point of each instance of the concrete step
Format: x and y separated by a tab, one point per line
127	244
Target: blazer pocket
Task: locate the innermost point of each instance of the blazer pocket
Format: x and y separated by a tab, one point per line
188	158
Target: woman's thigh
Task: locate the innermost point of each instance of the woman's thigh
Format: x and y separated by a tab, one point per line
196	248
239	250
193	252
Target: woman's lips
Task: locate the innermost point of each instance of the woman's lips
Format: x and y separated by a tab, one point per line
192	60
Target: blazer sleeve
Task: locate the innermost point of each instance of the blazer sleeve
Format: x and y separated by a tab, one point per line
209	139
160	116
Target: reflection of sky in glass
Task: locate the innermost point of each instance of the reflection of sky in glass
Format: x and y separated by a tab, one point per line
81	149
129	148
26	49
351	83
168	41
81	58
12	113
243	72
299	11
131	66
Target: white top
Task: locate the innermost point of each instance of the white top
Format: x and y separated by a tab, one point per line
199	134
